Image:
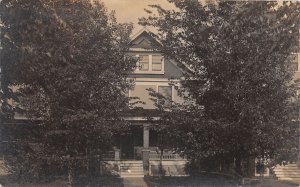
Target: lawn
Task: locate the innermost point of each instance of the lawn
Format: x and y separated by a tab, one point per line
189	181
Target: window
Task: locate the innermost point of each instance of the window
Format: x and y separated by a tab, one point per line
144	62
142	93
166	91
141	90
149	63
156	62
295	62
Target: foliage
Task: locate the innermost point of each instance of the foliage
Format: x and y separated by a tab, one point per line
240	80
70	64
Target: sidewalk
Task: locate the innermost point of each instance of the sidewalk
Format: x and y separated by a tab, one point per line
134	182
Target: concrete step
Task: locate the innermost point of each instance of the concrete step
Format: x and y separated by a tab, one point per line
132	169
286	171
131	162
289	172
132	172
133	166
289	165
295	176
288	179
286	168
124	175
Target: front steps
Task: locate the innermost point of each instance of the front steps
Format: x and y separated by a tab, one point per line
131	169
289	173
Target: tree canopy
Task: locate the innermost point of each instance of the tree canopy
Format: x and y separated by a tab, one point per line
240	80
68	60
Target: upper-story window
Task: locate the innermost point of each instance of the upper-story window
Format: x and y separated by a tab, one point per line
157	62
150	64
141	90
143	63
166	91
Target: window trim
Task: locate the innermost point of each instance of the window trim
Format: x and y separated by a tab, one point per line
156	84
148	60
150	71
161	62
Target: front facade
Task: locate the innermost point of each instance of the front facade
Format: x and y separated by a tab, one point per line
140	146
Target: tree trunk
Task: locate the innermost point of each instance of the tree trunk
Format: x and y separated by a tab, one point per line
71	174
238	165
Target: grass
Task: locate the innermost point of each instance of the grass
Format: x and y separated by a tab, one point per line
188	181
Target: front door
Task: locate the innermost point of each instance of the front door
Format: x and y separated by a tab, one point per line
131	142
127	147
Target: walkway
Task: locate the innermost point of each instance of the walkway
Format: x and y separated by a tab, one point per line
134	182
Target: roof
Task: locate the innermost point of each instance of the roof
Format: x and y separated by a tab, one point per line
146	41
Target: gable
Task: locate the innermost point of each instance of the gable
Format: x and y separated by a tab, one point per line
144	41
145	47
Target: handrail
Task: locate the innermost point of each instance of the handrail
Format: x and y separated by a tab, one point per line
165	156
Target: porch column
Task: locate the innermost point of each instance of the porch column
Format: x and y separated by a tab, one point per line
146	136
146	151
117	153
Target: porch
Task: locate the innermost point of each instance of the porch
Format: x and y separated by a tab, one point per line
169	164
137	154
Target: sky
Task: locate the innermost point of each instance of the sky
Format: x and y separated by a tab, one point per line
131	10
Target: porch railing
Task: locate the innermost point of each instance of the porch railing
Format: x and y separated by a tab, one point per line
165	156
111	155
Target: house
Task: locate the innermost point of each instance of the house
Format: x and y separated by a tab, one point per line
138	151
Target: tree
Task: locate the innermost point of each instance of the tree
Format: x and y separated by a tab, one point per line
72	70
240	79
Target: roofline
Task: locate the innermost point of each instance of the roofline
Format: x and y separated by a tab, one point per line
134	36
144	29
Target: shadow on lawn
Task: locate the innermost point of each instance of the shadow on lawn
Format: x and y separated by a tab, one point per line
106	181
199	181
208	180
205	180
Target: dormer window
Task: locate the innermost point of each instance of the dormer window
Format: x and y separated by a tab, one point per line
150	64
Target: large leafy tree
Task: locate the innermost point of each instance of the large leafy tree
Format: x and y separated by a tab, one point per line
68	60
240	80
